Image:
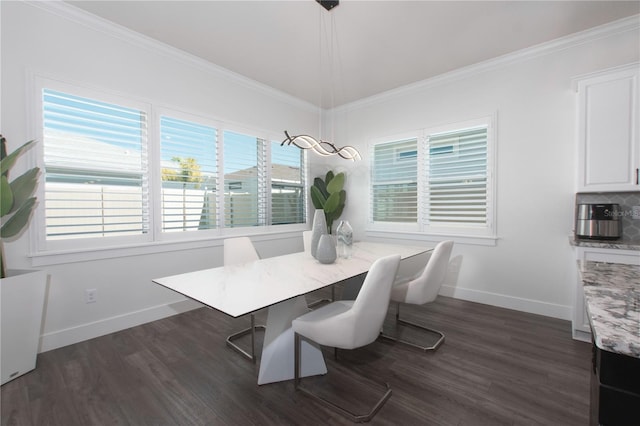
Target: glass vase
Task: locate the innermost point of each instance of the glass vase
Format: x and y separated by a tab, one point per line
345	239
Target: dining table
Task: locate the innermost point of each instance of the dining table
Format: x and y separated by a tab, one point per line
280	284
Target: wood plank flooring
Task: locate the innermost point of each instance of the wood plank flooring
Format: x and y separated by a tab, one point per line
496	367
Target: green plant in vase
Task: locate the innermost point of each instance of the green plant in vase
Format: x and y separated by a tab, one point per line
16	200
329	195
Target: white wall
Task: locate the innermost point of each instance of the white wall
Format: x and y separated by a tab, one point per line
532	266
36	40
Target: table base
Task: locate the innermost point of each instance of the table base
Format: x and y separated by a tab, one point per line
277	363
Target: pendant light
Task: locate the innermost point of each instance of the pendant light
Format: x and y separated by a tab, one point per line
318	146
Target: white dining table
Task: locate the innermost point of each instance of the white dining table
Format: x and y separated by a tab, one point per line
279	284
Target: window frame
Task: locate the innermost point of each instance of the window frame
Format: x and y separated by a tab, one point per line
421	229
40	243
48	252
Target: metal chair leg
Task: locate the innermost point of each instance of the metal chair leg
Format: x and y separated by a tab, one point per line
357	418
296	360
414	325
251	330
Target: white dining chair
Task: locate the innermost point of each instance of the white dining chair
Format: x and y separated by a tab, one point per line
420	290
349	324
306	241
240	250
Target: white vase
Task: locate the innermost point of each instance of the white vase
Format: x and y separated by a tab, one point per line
326	252
319	228
22	296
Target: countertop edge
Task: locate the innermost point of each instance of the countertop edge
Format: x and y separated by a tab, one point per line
633	245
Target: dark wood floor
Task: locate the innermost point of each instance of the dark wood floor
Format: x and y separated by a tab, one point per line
496	367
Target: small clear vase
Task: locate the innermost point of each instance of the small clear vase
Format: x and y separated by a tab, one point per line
344	233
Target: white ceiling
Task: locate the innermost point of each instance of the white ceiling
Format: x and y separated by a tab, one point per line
374	46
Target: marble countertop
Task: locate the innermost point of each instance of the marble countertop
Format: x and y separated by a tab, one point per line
612	295
620	244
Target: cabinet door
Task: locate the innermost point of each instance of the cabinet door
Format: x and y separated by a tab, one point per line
608	144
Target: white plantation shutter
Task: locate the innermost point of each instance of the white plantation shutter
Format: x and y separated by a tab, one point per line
436	183
109	173
189	175
244	180
395	181
457	178
287	184
95	168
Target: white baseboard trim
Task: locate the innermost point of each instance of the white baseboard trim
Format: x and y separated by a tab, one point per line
583	336
69	336
516	303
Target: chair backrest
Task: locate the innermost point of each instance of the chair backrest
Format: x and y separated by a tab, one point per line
370	307
425	288
306	240
239	250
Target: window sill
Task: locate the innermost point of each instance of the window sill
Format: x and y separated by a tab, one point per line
83	254
479	240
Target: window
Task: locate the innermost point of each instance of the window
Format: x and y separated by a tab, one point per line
95	157
287	184
457	178
112	175
247	195
189	175
245	177
438	181
395	181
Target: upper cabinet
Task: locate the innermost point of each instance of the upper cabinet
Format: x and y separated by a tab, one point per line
608	130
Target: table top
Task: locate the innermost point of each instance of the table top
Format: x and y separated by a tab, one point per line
244	288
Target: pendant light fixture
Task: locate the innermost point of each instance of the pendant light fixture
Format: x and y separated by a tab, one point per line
318	146
321	147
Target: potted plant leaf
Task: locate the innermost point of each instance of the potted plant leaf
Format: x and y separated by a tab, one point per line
329	195
22	292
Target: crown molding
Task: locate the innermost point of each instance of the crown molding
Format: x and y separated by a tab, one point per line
631	23
96	23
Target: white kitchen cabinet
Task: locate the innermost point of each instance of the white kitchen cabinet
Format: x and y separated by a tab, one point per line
580	322
608	130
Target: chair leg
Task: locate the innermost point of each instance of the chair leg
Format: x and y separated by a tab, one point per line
296	359
414	325
252	331
357	418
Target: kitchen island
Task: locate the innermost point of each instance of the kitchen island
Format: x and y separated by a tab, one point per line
612	297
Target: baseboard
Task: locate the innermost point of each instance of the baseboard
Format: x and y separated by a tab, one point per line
69	336
516	303
583	336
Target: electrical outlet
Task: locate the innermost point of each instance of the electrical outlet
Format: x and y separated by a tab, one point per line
90	295
635	212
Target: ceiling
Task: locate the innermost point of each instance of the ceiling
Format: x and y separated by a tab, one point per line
358	49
